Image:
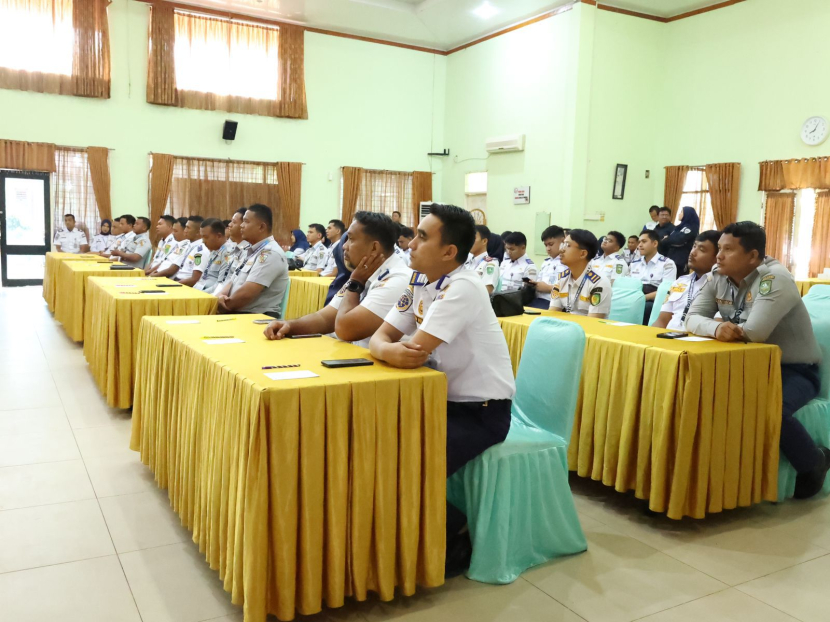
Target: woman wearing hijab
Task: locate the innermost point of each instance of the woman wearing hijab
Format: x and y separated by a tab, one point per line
104	240
299	243
679	243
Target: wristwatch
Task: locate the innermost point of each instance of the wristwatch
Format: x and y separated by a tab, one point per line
355	286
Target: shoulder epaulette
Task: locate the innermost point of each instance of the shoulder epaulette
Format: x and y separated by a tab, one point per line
567	272
418	279
663	258
638	260
593	276
528	260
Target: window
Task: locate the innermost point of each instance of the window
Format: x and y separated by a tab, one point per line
73	191
798	235
384	192
696	195
37	36
475	191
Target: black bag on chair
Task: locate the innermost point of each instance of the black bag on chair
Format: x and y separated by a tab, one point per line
507	304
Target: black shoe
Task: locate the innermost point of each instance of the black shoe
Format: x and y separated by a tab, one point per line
459	553
810	484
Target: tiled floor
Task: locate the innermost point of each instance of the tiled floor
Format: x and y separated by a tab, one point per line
85	535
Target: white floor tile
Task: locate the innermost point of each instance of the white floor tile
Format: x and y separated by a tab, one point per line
28	390
34	448
92	590
52	534
727	606
800	591
84	405
104	440
142	521
35	420
22	359
120	473
39	484
175	584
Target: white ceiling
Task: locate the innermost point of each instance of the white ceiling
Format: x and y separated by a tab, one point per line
440	24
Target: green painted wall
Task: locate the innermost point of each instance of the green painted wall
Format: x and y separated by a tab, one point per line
369	105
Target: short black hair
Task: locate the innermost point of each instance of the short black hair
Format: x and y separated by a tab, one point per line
458	227
396	212
650	235
504	234
241	211
146	221
227	223
318	227
554	231
664	209
170	220
72	216
585	240
129	218
182	222
215	225
633	237
483	232
654	208
196	219
405	232
517	238
751	236
263	213
619	238
712	236
379	227
339	224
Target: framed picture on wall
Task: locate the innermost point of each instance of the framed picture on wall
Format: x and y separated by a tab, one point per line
619	181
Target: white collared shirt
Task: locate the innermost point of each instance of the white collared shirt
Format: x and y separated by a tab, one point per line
654	272
177	256
195	259
456	309
70	241
512	273
629	256
485	267
683	291
163	249
610	266
315	257
404	255
588	293
551	272
330	265
101	243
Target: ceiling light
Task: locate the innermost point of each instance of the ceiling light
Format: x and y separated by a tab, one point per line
486	11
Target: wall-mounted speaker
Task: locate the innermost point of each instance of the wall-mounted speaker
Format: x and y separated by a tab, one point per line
229	130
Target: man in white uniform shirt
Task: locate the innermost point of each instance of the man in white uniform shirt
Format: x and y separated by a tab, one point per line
316	256
166	241
652	269
378	279
611	264
135	251
404	238
452	328
334	232
631	252
70	239
197	255
519	266
653	212
552	268
212	233
235	249
685	289
125	224
581	291
258	285
486	267
170	266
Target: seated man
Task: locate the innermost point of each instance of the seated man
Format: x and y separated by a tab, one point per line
171	265
404	238
235	249
651	269
453	329
552	268
580	290
212	233
685	289
485	266
379	277
760	303
125	225
194	263
166	243
136	251
631	253
611	264
334	232
519	266
317	254
258	285
70	239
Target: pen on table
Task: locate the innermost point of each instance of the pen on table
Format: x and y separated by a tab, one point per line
227	319
218	337
279	366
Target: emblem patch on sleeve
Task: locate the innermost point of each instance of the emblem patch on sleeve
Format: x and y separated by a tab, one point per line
619	269
766	285
596	298
491	269
405	301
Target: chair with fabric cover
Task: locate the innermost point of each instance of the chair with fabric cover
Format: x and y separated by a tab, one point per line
628	282
284	304
627	305
289	254
659	299
516	495
815	416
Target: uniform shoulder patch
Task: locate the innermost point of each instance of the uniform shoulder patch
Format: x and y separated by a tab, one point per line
528	260
418	279
662	259
593	276
766	285
596	297
263	256
619	269
405	301
567	272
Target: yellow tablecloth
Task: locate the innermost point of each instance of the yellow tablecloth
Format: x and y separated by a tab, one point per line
295	273
805	285
691	426
297	491
307	295
70	291
50	273
113	314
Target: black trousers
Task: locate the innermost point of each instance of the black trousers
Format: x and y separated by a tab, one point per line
799	384
472	428
540	303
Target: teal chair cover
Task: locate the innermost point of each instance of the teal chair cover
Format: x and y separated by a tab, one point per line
659	299
628	282
516	494
284	304
289	254
815	416
627	305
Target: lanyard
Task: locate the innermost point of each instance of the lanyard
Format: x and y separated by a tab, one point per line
253	254
571	303
736	317
691	297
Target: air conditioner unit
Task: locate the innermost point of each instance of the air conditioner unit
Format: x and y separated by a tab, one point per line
505	144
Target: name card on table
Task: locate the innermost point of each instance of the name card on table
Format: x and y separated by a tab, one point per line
292	375
224	340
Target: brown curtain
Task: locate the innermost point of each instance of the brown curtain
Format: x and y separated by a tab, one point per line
386	192
290	178
265	63
79	66
820	255
673	188
161	178
74	193
772	176
27	156
778	223
352	181
161	64
99	169
724	182
795	174
421	191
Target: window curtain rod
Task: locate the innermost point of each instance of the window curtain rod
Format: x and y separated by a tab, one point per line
150	153
78	148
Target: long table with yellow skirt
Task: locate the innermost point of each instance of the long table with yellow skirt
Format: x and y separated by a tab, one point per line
70	291
805	285
114	308
298	273
306	295
692	426
299	491
50	272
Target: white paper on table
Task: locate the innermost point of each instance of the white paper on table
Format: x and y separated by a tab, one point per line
621	324
694	338
219	342
292	375
182	321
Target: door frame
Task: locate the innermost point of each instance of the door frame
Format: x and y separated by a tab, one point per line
41	249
